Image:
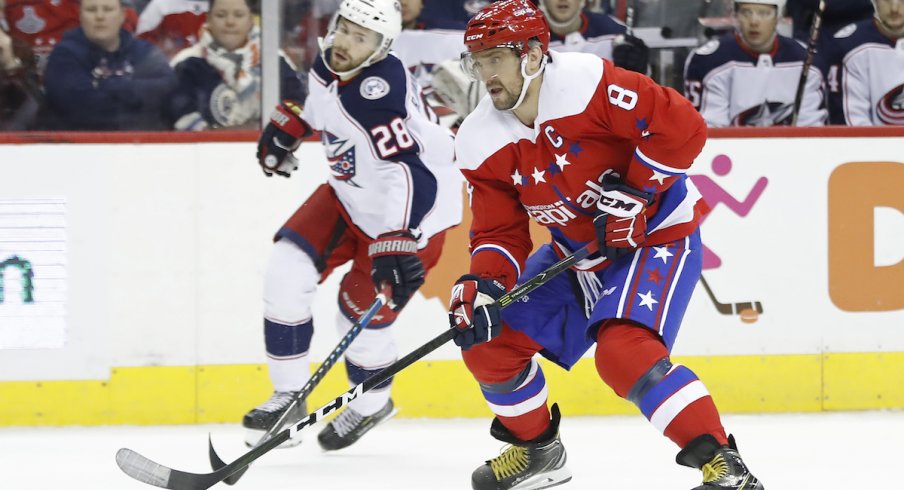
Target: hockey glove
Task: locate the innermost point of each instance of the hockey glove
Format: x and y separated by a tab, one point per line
280	138
631	53
395	262
620	221
473	310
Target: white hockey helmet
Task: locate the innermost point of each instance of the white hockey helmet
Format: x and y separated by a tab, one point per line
381	16
778	4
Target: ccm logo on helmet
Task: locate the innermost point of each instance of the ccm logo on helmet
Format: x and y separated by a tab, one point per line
473	37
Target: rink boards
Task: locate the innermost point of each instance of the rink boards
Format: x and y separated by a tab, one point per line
132	273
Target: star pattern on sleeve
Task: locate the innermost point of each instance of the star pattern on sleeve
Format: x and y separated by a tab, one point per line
647	300
662	253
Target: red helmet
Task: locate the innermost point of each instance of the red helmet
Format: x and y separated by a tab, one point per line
507	23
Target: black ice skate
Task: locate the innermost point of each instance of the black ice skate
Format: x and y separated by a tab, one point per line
350	425
535	464
265	415
722	466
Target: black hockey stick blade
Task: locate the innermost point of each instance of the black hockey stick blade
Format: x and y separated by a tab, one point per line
381	299
146	471
216	463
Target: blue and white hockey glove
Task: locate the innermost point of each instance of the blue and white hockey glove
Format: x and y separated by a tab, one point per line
395	262
280	138
620	221
473	310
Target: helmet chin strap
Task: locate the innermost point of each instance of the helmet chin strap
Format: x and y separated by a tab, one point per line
527	79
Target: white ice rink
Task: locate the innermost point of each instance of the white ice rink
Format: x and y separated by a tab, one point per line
799	452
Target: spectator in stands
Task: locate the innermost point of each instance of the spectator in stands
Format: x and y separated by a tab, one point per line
219	78
100	77
19	87
172	25
750	77
838	13
575	29
414	17
864	68
457	11
42	23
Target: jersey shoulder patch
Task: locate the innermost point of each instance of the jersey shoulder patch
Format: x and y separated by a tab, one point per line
845	31
708	48
374	87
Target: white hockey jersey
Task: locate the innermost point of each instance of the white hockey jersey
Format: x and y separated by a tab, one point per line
865	75
732	86
391	165
421	50
595	36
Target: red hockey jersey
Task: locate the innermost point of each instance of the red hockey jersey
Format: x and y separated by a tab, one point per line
592	117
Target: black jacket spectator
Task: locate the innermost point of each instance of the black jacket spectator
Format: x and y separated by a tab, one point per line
88	88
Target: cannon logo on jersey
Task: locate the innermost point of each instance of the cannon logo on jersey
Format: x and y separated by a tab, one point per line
765	114
890	109
341	155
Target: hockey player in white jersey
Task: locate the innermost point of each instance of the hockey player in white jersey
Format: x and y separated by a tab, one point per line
392	193
574	29
864	68
427	45
750	77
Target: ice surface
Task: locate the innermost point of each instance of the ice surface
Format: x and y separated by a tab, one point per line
796	451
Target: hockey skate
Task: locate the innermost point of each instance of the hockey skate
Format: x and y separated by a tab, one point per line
350	425
525	465
722	466
259	420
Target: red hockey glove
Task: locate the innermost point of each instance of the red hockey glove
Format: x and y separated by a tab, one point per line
280	138
473	310
621	225
395	261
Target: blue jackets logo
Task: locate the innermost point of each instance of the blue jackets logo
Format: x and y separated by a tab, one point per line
341	155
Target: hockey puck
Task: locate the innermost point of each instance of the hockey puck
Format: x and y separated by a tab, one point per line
666	32
748	315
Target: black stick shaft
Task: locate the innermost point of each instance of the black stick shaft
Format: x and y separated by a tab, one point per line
143	469
382	297
808	61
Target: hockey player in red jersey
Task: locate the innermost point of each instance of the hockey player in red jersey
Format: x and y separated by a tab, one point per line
593	153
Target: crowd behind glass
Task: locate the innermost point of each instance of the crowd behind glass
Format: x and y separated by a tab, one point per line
191	65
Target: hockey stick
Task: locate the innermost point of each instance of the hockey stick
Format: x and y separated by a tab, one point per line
731	308
811	52
146	471
629	17
216	462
